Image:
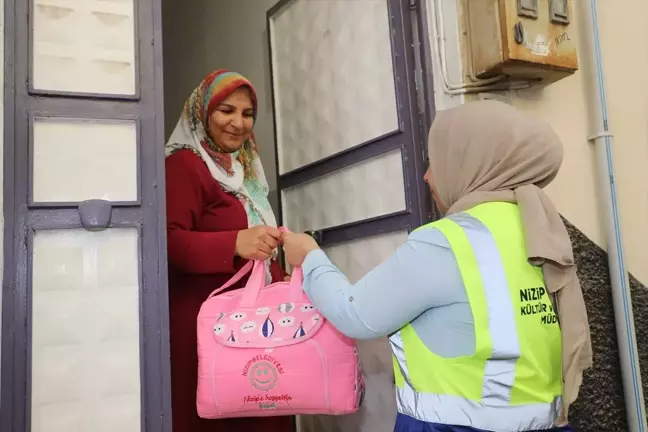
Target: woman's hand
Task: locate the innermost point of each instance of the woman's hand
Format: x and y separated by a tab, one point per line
297	246
257	243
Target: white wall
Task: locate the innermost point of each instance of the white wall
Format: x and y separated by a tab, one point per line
444	42
213	34
564	105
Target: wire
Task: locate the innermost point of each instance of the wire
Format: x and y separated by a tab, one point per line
496	83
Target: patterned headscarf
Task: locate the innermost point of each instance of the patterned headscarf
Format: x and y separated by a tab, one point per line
240	172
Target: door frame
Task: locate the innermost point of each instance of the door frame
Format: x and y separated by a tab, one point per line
414	83
22	217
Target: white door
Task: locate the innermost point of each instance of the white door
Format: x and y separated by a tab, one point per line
349	151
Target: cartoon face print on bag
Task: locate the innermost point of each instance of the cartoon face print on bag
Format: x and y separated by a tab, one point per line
248	326
267	323
307	308
287	321
263	311
219	329
237	316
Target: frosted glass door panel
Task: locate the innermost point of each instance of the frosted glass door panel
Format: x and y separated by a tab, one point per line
75	160
333	77
356	258
84	46
85	331
365	190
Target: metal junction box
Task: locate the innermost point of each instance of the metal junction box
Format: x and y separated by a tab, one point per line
525	39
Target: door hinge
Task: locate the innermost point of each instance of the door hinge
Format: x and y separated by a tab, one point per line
413	4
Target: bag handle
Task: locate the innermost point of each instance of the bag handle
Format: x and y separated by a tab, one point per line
296	277
296	270
257	280
237	277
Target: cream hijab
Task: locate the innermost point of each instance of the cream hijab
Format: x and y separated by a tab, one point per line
489	151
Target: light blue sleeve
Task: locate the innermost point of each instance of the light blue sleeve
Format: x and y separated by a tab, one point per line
421	274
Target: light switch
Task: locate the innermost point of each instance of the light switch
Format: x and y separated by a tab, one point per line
559	11
528	8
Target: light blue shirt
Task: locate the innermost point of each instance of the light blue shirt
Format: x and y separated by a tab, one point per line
419	284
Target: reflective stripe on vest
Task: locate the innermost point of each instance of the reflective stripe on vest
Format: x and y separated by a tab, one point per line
513	381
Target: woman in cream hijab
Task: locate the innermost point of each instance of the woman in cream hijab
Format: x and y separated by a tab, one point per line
483	308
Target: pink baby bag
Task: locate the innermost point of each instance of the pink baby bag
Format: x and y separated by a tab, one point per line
265	351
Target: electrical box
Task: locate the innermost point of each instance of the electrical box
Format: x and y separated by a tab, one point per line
525	39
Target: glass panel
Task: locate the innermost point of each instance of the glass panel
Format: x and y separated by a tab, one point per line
85	331
368	189
356	258
75	160
333	78
84	46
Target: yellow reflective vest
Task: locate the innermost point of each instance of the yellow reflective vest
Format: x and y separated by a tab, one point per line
513	381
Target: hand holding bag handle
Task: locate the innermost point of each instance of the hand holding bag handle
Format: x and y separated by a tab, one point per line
257	281
297	275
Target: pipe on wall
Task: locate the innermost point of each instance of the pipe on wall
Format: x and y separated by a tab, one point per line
602	139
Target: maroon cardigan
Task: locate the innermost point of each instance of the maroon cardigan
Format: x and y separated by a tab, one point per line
202	223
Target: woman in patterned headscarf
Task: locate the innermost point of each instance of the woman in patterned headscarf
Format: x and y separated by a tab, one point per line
218	217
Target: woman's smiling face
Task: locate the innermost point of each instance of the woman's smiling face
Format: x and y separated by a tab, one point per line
230	125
